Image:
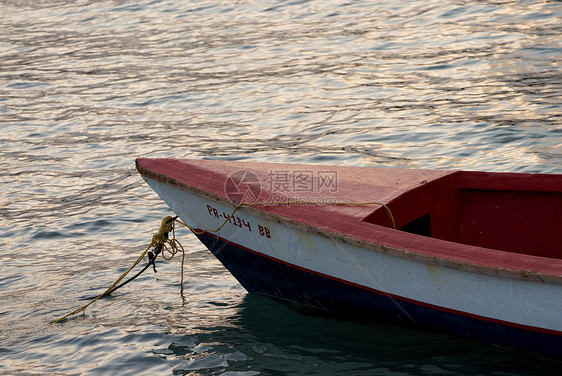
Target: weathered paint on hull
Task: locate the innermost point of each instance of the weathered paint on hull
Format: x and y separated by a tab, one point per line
290	261
276	279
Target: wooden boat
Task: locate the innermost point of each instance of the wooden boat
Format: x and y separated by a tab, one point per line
472	254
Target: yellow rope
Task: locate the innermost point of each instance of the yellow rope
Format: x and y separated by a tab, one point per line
172	246
199	232
296	202
159	238
304	202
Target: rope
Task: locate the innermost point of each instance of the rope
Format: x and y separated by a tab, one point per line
304	202
160	242
290	202
169	247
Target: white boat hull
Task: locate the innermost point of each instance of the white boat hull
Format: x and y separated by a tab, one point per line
294	263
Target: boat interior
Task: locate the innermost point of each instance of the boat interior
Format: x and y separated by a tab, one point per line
520	213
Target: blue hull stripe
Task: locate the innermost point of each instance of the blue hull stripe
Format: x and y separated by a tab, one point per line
263	275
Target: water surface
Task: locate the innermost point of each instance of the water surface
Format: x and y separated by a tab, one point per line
88	86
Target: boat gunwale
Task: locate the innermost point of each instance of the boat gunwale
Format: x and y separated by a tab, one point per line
387	249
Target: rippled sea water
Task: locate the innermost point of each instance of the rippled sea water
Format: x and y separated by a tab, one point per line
88	86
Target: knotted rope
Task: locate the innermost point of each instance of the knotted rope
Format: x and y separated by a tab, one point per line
162	244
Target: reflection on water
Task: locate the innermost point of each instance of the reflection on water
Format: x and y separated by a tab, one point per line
264	335
88	86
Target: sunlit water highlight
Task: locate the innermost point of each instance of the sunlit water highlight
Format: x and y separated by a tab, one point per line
88	86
